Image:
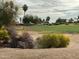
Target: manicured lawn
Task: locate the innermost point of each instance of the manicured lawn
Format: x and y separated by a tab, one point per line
72	28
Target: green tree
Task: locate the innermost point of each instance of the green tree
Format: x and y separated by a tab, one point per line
26	20
7	14
47	19
8	17
25	8
78	19
60	21
29	19
71	20
36	20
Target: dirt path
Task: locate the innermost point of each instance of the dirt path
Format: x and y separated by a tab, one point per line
74	43
66	53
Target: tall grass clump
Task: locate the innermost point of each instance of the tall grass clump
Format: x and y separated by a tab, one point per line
52	41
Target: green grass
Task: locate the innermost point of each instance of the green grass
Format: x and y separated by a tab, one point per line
72	28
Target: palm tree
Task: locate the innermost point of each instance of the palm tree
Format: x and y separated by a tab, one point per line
47	19
25	8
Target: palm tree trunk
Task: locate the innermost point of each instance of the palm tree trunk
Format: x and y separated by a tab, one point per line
24	13
23	24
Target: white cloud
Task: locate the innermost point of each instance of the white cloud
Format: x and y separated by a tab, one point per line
53	8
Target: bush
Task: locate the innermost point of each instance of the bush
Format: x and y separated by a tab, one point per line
52	40
64	41
20	41
25	41
4	37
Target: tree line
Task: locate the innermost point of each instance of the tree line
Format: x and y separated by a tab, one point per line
9	11
30	19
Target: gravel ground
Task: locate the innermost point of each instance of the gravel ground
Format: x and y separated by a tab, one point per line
63	53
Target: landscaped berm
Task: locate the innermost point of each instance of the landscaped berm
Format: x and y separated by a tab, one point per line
39	37
70	52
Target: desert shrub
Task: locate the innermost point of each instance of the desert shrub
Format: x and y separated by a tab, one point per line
4	37
21	41
52	40
48	41
25	41
14	42
64	41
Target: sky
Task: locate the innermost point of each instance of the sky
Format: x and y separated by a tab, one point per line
52	8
